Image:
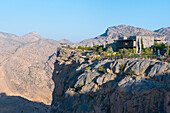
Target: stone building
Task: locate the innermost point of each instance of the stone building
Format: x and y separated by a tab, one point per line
134	42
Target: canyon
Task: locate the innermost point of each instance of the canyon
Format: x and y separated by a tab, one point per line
34	72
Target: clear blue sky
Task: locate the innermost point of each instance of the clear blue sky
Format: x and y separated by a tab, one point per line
80	19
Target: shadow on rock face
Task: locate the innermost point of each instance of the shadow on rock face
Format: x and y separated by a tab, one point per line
17	104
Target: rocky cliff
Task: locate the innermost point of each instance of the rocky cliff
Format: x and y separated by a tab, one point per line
120	86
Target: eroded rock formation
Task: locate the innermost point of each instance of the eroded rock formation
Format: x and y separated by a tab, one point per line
121	86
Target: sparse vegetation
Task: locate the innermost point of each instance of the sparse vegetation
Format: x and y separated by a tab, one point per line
88	68
95	53
110	50
123	67
107	54
95	47
131	73
100	50
147	51
124	52
87	56
81	85
101	69
98	58
84	48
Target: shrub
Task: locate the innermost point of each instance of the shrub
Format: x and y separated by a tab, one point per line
95	53
124	52
95	47
114	54
117	54
134	50
68	46
98	58
81	85
123	67
147	49
88	68
79	47
130	50
131	55
101	69
132	72
87	56
100	49
107	54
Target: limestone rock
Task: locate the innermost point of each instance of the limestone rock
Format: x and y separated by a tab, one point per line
116	90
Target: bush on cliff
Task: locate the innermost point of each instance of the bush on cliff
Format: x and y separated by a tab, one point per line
98	58
101	69
88	68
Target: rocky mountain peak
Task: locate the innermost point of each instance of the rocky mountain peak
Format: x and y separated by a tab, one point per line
32	34
165	31
68	42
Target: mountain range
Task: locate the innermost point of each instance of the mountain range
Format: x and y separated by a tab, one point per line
27	62
113	33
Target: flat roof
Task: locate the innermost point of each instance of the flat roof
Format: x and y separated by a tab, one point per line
127	40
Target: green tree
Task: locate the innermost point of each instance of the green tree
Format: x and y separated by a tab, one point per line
110	49
159	46
95	47
79	47
100	49
142	43
167	49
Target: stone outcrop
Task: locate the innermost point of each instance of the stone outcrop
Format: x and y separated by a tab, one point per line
121	86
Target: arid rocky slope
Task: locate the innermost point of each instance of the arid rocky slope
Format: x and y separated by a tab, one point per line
26	66
113	33
122	86
164	31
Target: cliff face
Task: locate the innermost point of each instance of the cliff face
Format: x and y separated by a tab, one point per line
121	86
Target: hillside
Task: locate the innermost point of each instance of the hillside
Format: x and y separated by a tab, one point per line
164	31
26	66
113	33
120	86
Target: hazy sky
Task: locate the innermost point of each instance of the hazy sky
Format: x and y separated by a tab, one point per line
80	19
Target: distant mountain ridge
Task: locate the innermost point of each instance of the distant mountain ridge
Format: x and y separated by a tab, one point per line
164	31
113	33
